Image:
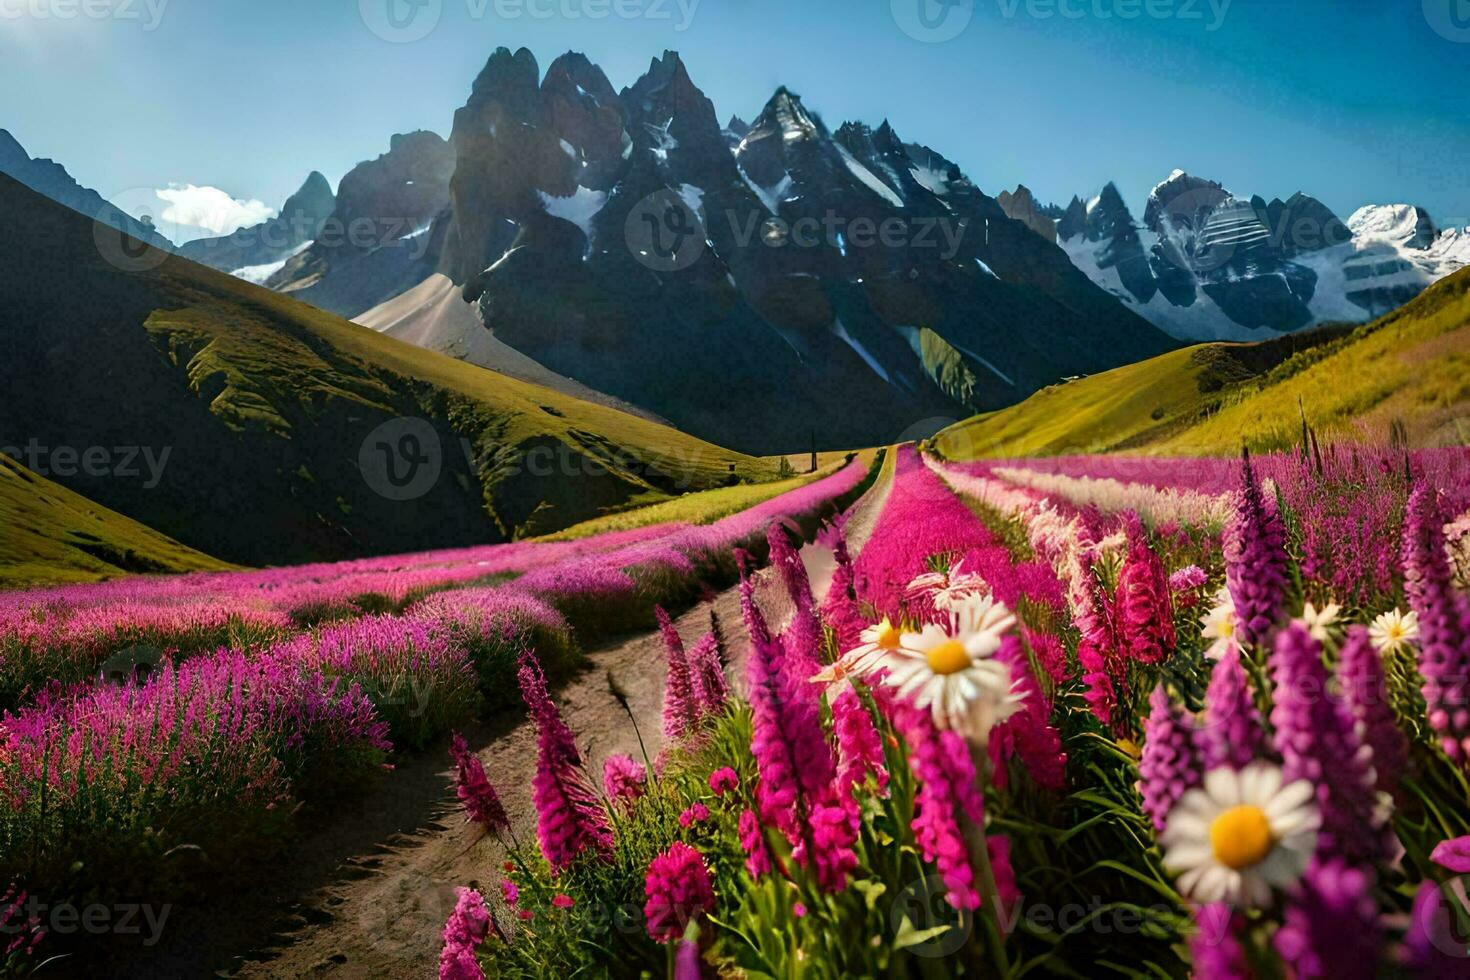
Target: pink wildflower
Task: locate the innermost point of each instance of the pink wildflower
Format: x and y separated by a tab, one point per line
481	803
678	890
624	781
723	780
467	928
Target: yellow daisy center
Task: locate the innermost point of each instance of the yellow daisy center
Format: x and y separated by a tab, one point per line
949	657
888	636
1241	837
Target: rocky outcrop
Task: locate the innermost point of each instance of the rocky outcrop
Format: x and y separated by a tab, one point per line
379	239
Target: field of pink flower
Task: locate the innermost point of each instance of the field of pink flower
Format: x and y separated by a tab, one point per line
166	736
1084	717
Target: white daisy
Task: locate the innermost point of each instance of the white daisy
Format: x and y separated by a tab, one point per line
947	589
1220	624
1241	835
953	671
1394	630
1321	623
880	638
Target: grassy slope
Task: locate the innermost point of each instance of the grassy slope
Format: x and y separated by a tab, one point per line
708	506
54	535
264	404
1410	367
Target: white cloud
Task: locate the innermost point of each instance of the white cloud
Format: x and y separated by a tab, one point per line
210	209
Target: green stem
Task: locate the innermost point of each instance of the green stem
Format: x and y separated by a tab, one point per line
989	893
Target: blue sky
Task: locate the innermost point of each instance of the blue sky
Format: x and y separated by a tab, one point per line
1355	101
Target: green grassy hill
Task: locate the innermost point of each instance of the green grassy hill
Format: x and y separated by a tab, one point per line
1409	369
271	412
54	535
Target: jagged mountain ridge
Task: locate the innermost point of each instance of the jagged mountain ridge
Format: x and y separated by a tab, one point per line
257	252
51	179
1205	264
567	201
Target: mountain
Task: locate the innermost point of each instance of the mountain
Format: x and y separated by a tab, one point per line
260	251
377	242
55	535
630	243
51	179
261	430
1022	206
1407	373
1205	264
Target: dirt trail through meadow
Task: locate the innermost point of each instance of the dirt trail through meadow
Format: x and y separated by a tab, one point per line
382	915
366	894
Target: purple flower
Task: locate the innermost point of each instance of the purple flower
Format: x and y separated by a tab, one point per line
723	780
467	927
623	780
693	814
1170	765
569	818
1317	741
1331	925
480	801
1144	604
1444	624
1360	674
1255	559
859	746
1029	732
1231	734
1453	855
681	712
678	890
707	672
1213	947
790	748
1097	647
946	795
753	843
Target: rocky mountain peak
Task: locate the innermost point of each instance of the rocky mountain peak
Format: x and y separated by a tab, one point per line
1021	206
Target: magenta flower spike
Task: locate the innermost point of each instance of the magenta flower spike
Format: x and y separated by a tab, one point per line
1255	559
1331	929
1171	764
1444	624
468	926
1144	603
1213	947
678	891
1317	741
570	820
1360	675
478	797
1230	733
624	780
790	748
681	707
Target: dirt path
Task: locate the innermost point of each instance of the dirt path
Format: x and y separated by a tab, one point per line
381	914
365	895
